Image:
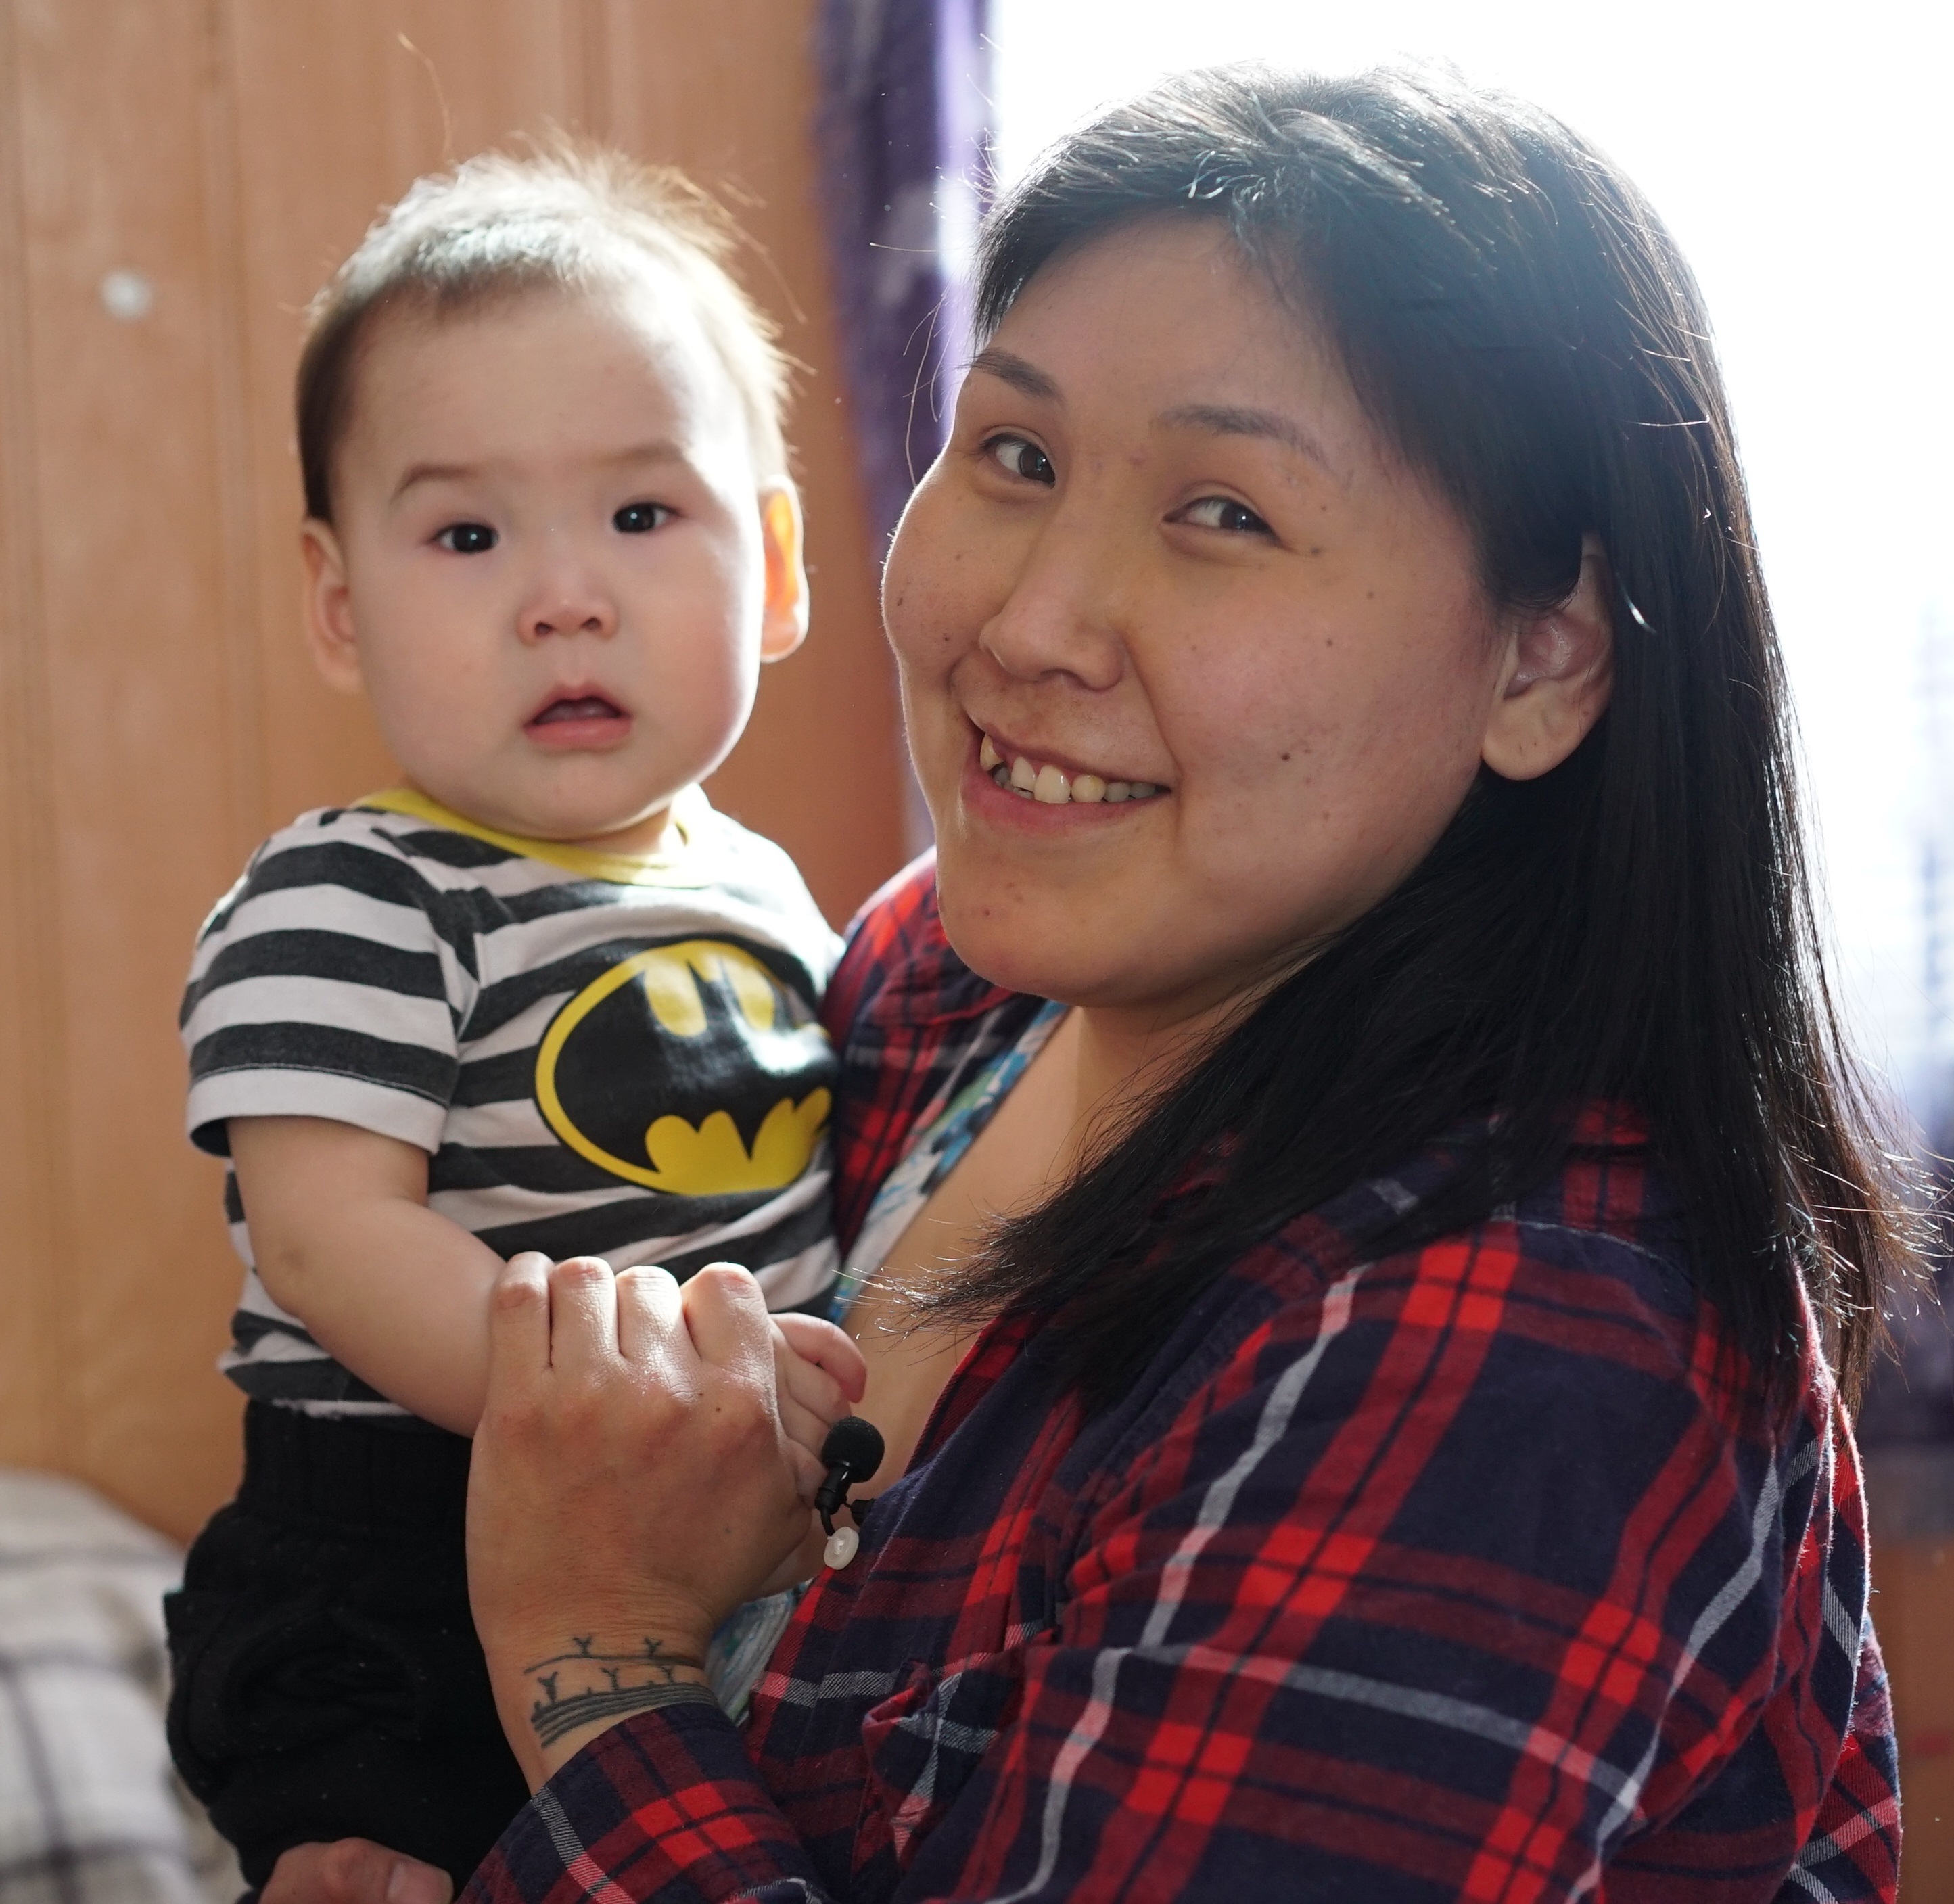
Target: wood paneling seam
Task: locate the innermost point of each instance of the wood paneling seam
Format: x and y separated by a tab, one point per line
224	236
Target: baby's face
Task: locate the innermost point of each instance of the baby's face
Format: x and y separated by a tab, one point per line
554	568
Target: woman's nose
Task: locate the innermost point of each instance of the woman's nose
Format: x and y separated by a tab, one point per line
1065	614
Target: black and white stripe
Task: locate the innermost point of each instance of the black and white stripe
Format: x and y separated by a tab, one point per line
377	967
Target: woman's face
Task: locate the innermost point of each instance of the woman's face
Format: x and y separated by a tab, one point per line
1165	547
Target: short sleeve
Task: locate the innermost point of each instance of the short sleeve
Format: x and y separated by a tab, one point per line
322	987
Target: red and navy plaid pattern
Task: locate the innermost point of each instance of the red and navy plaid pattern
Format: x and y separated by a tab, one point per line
913	1024
1458	1574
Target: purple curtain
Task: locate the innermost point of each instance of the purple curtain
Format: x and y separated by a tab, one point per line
905	135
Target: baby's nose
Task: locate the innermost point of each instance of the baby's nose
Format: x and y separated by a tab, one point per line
591	624
585	611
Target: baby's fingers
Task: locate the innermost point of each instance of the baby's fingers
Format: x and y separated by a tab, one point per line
815	1340
801	1384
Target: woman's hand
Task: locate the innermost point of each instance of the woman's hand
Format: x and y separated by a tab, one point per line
632	1482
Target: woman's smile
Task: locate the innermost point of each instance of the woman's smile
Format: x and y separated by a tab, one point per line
1056	782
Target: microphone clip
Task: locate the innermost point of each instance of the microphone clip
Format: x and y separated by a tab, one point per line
851	1452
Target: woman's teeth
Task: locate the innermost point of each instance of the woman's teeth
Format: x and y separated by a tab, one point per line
1045	784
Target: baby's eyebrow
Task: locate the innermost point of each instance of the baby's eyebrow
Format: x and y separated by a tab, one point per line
664	449
419	472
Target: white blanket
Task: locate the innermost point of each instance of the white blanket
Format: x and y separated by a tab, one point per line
91	1810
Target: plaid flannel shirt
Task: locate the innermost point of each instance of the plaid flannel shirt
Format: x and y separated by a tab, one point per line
1460	1573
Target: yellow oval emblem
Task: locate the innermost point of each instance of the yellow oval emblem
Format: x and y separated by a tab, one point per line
700	1027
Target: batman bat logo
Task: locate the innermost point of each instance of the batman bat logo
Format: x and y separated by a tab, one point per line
700	1027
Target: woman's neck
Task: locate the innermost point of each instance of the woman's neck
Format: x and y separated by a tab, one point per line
1119	1058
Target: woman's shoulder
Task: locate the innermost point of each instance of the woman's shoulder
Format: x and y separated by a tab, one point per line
1557	1349
1583	1285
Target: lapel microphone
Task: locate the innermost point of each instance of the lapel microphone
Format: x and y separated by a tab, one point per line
851	1454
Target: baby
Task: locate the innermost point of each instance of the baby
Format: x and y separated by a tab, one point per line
538	997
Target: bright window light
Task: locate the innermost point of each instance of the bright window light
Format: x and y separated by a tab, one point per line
1800	155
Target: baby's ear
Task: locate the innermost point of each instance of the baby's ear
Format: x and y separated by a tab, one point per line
329	608
784	625
1557	674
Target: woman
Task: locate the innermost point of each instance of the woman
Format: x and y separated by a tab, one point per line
1402	1457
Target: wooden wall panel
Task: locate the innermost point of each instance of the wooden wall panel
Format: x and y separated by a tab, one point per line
157	713
133	796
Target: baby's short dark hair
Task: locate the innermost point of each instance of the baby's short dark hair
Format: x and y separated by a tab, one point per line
499	227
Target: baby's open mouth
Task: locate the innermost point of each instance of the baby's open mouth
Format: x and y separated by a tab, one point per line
1035	780
580	707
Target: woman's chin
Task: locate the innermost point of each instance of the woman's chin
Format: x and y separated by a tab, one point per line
1020	935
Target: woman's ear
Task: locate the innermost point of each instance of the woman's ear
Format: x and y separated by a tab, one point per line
783	627
1558	672
329	607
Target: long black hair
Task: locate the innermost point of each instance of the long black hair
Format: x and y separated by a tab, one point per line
1636	926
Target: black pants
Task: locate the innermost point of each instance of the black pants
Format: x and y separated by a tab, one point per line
327	1679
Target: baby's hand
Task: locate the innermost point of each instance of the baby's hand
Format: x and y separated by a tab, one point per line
818	1377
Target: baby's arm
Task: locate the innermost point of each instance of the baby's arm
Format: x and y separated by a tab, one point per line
344	1240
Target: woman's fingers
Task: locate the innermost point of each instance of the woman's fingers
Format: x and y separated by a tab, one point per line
802	1424
519	1324
737	1341
583	1315
816	1340
651	1319
727	1318
805	1467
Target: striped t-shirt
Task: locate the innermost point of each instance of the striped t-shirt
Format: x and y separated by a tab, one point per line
602	1056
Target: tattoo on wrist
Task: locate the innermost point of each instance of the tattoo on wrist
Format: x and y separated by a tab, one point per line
584	1687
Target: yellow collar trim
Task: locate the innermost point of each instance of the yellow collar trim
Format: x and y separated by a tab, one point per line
587	863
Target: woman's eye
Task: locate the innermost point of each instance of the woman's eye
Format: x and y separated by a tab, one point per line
1224	513
1022	459
468	539
639	518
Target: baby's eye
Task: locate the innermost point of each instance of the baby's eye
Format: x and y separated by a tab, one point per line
468	539
640	518
1224	513
1022	458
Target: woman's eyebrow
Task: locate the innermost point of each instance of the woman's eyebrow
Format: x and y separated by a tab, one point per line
1231	420
1022	375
